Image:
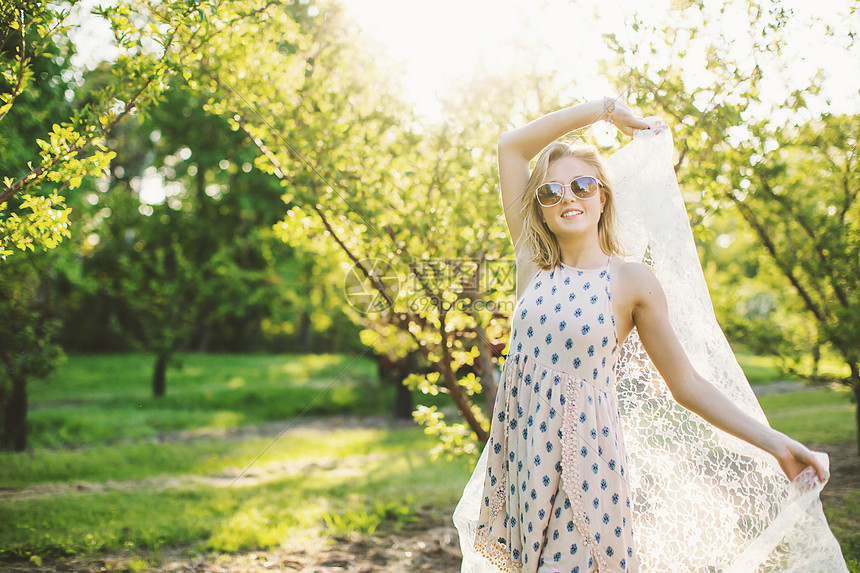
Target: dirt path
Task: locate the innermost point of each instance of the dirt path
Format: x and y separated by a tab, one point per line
253	476
348	466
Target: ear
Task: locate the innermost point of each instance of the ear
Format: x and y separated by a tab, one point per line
602	200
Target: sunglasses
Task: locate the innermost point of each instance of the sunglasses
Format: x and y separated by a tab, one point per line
584	187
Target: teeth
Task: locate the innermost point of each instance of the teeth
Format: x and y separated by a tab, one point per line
569	214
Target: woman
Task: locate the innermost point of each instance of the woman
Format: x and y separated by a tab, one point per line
556	493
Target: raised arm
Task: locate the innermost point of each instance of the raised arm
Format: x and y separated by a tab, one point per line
518	146
691	390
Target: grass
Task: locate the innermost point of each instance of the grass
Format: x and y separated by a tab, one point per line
813	417
765	369
200	457
310	501
760	369
844	521
89	419
102	399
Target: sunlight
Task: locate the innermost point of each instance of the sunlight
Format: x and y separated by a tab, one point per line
443	43
440	45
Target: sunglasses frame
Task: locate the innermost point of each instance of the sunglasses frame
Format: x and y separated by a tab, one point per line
569	186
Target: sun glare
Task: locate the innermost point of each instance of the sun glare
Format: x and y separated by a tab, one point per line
440	45
445	42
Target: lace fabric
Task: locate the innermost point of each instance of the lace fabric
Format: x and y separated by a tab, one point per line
704	501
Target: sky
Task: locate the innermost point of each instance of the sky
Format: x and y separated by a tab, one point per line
442	43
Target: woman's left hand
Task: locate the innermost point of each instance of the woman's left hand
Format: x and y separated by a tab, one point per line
620	115
794	457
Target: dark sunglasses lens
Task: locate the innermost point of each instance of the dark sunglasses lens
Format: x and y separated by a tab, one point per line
549	194
584	187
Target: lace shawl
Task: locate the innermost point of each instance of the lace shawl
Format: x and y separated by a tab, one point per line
704	500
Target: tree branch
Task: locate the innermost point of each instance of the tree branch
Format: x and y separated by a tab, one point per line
84	141
786	269
799	216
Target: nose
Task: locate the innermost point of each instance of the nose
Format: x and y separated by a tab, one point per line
564	190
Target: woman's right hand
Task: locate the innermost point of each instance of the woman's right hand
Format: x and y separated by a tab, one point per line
794	457
625	120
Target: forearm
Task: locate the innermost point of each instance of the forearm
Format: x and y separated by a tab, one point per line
703	398
528	140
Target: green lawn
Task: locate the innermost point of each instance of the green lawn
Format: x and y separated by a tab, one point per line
88	421
760	369
813	417
102	399
313	499
764	369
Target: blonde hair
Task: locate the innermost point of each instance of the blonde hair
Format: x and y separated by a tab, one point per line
543	242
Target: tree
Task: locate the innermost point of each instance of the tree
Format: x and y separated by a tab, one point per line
29	223
176	271
60	146
788	171
27	347
74	148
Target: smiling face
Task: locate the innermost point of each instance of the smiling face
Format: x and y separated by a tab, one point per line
573	216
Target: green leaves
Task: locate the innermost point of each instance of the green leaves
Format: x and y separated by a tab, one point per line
39	223
74	149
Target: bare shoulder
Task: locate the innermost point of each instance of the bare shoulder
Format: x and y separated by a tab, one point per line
635	281
632	274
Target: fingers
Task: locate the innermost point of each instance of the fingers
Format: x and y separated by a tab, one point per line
822	472
808	458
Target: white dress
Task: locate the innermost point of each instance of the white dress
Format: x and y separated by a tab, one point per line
701	499
556	495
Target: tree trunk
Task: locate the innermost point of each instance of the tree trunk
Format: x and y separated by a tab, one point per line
394	372
403	403
816	358
159	376
205	338
15	418
489	384
855	384
460	399
306	331
857	411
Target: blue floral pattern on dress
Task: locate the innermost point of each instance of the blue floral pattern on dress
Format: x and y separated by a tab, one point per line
557	496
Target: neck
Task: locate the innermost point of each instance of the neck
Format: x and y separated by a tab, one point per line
582	252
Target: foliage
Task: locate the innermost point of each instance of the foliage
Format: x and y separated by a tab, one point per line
789	171
28	109
70	150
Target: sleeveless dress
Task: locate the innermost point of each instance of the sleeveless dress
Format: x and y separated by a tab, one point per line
702	499
556	495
